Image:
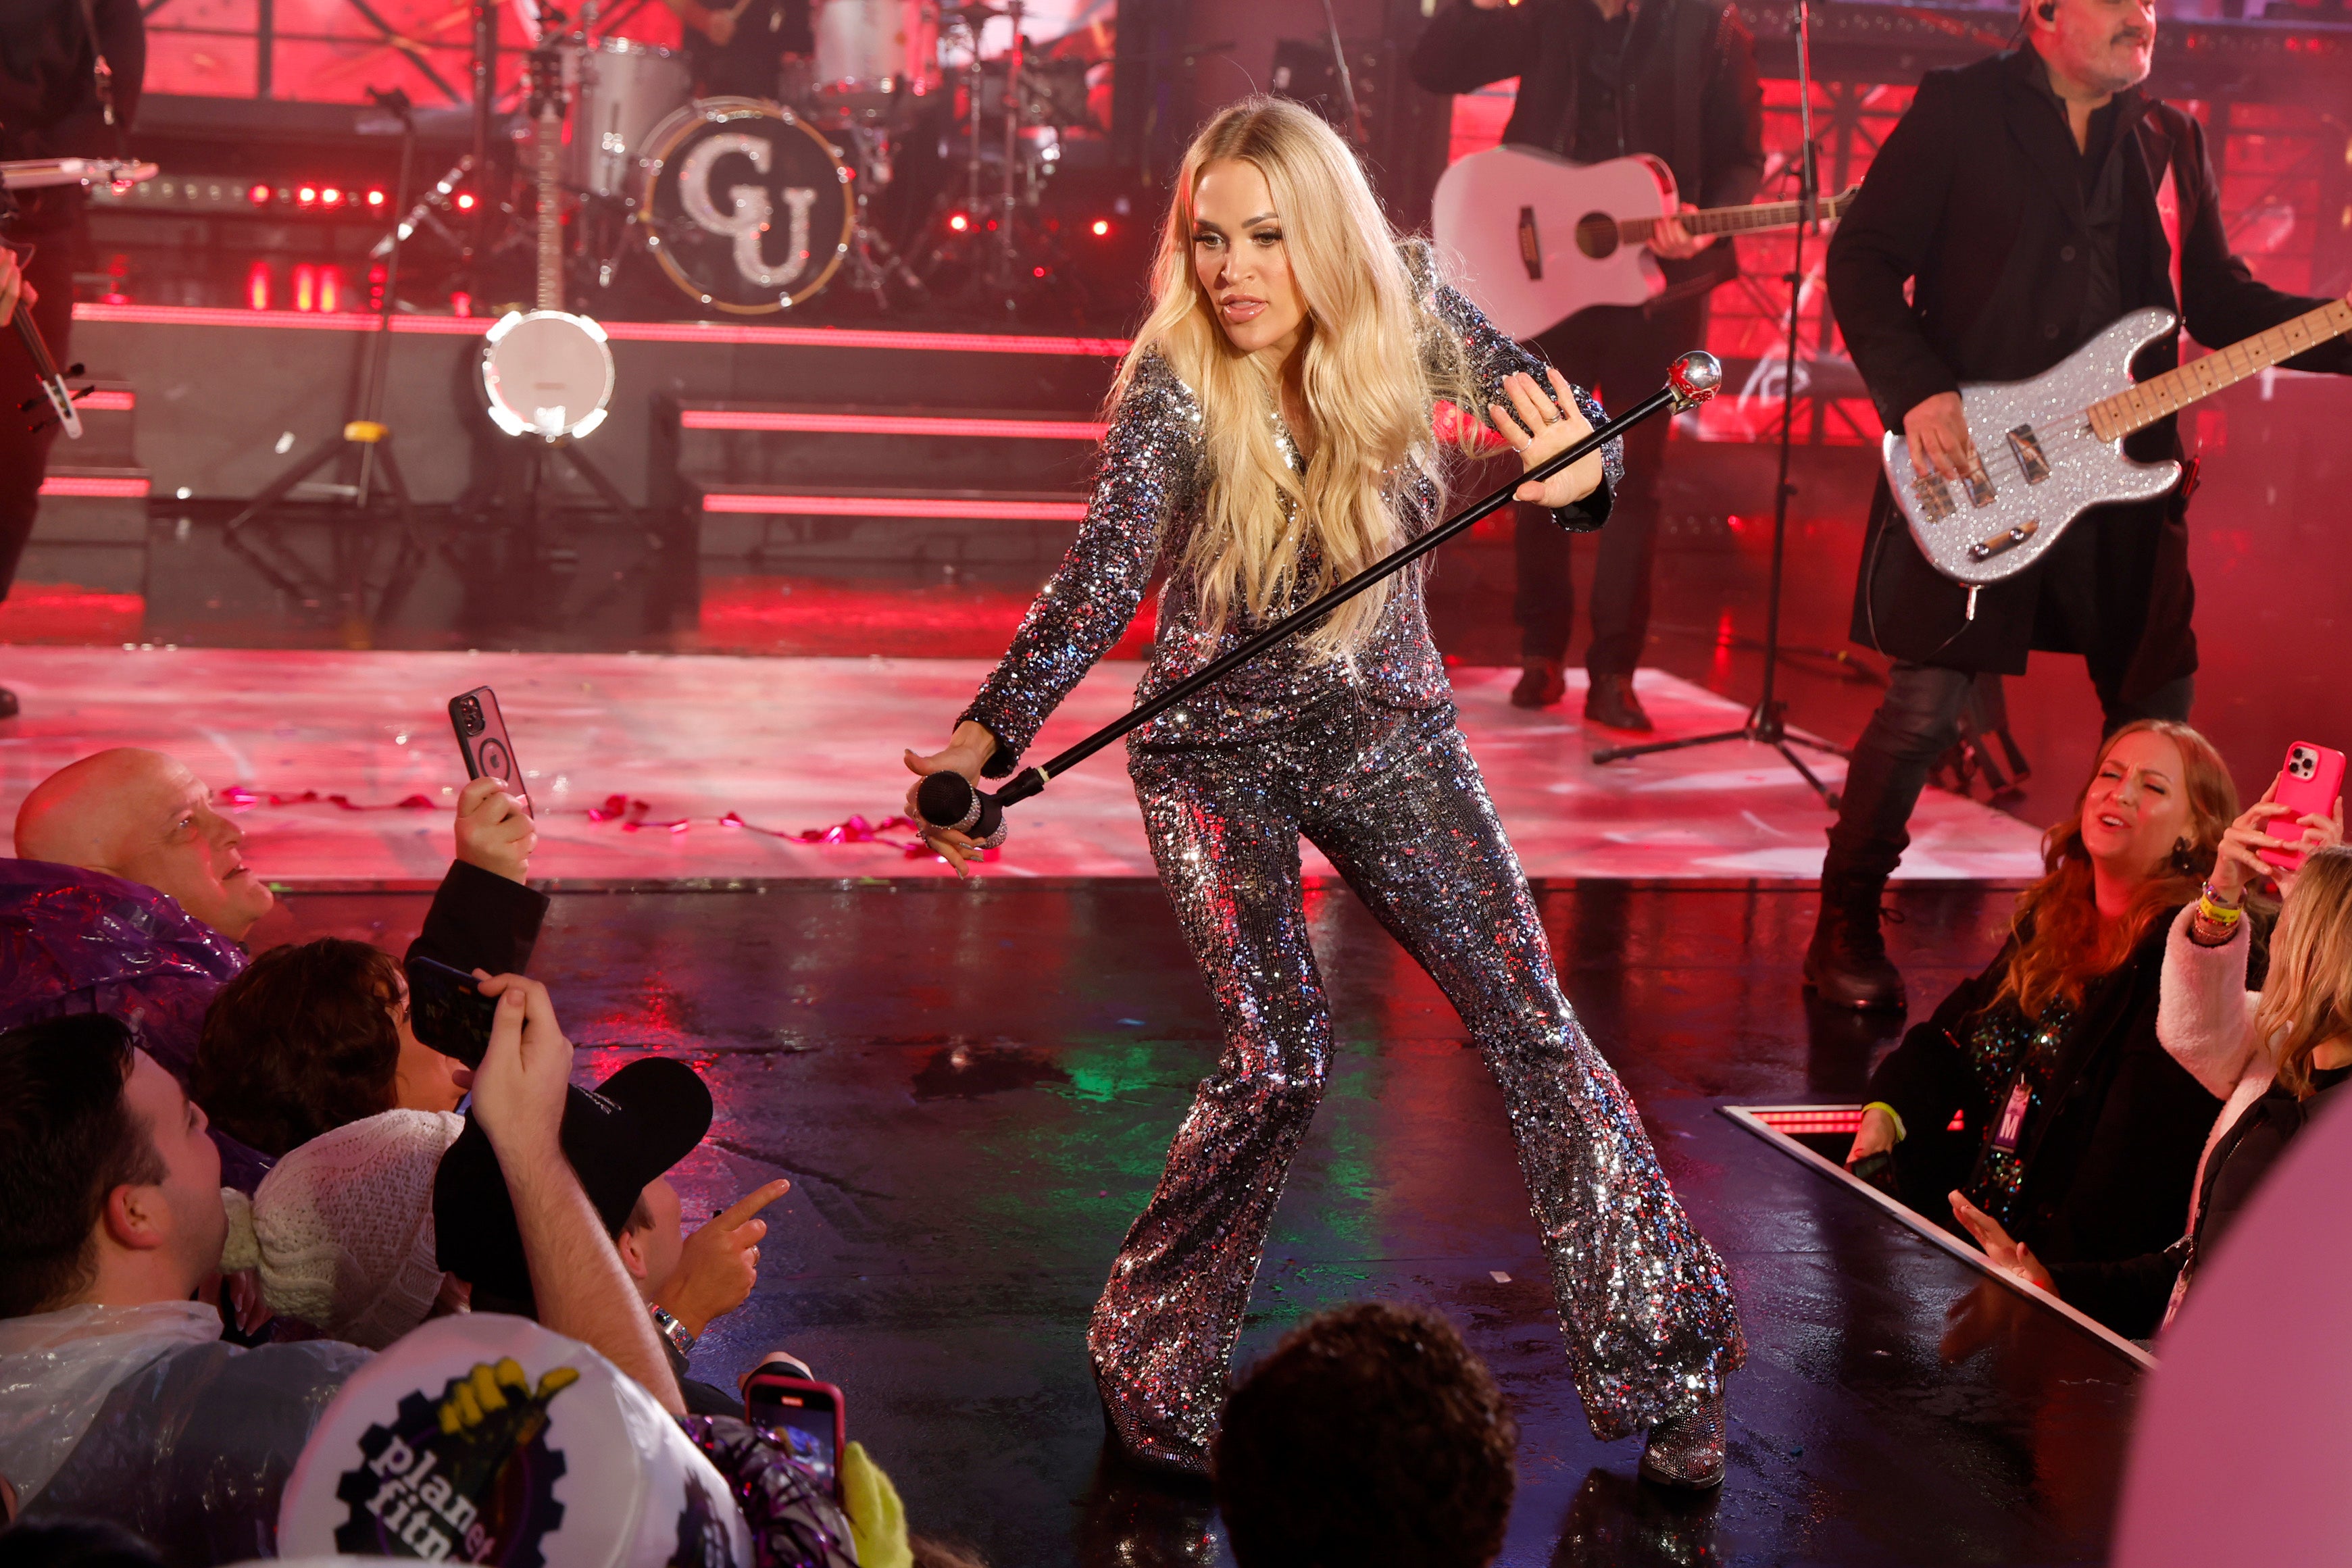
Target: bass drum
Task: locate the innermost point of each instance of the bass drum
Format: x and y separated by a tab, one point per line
746	208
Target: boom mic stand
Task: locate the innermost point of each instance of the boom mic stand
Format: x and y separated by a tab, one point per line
948	799
1767	721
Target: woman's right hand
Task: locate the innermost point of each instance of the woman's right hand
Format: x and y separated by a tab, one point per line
2236	862
1874	1136
967	751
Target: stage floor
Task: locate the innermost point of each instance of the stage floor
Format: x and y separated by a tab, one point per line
973	1088
788	746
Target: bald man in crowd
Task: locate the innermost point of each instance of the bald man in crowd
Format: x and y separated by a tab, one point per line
133	896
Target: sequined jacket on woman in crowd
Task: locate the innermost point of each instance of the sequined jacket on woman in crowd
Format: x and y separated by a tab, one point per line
1148	492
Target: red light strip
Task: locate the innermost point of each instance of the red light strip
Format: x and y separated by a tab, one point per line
91	486
108	403
888	425
886	507
620	331
1825	1119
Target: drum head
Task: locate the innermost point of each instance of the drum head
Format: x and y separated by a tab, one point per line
547	374
746	209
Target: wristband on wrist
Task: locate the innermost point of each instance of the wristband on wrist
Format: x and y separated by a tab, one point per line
1892	1115
2215	899
672	1330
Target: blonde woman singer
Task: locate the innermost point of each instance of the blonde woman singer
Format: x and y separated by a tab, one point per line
1272	433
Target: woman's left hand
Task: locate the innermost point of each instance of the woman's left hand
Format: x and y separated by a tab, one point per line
2010	1257
1547	422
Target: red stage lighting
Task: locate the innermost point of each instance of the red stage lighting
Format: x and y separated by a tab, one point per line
306	287
466	201
1102	227
331	287
257	285
959	223
259	195
1036	272
308	195
375	198
330	196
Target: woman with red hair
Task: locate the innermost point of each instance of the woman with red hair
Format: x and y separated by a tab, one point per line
2079	1132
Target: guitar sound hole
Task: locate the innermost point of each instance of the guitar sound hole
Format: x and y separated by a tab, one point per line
1596	235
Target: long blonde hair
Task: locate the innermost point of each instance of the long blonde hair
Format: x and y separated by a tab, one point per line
1371	363
2063	944
2307	1000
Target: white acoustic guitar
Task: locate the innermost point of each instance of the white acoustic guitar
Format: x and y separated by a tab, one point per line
2051	448
547	373
1537	238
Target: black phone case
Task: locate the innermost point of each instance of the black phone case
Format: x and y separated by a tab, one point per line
447	1012
483	741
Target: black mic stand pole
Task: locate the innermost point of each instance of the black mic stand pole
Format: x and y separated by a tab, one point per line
948	799
1767	720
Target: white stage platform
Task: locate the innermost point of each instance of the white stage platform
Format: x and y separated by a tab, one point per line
799	745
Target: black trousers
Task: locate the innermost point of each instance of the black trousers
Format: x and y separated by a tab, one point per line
1917	722
24	453
1620	353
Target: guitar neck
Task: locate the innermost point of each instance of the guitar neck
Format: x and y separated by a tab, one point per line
551	223
1734	220
2159	397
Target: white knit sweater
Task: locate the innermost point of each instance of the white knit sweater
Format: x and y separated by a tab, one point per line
2205	1018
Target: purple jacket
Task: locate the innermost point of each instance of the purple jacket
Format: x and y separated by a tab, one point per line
76	941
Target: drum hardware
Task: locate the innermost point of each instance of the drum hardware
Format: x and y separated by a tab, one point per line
353	541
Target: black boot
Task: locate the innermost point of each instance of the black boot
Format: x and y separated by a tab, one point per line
1542	684
1847	964
1610	701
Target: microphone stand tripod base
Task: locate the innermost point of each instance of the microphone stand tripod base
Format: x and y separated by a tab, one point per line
1766	725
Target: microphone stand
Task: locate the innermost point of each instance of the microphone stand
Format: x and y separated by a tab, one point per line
948	801
1767	721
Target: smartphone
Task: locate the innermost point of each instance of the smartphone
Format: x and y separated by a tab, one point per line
447	1012
2308	785
1878	1170
482	738
806	1417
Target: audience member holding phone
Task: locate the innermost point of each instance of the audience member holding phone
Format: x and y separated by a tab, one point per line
2279	1054
2080	1132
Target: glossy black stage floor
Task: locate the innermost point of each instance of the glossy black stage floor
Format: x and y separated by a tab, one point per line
972	1088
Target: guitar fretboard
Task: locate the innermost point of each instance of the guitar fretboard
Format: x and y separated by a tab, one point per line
2158	397
1737	220
550	222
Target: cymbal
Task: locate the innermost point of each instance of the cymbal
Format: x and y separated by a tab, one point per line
977	11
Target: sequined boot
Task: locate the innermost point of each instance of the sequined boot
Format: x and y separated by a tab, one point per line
1686	1450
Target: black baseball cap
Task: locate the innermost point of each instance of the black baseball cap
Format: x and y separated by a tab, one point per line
619	1136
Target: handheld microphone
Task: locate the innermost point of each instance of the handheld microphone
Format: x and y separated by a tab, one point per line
948	800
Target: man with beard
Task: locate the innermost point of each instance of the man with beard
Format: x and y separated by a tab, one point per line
2025	202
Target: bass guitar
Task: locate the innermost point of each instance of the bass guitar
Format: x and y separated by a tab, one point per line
2051	448
1541	238
547	373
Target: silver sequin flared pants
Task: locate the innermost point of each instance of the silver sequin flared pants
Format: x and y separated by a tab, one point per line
1395	802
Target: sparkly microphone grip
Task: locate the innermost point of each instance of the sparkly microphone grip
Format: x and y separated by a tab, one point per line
948	800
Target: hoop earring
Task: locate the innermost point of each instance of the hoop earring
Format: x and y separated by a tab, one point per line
2184	858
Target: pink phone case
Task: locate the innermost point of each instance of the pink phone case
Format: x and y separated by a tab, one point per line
2308	785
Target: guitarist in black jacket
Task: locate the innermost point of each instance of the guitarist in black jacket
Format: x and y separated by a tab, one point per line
2027	202
1601	79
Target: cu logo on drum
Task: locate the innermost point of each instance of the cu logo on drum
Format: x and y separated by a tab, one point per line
750	210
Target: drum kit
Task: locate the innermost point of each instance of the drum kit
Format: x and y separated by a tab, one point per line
846	176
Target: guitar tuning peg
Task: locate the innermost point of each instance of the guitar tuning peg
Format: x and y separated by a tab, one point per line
80	392
73	369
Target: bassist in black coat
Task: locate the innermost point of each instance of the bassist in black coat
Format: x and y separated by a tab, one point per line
2026	201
